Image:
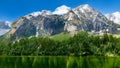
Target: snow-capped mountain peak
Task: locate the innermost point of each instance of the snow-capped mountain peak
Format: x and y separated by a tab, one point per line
85	6
85	11
46	23
87	16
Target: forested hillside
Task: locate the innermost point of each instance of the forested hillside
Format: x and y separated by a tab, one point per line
81	44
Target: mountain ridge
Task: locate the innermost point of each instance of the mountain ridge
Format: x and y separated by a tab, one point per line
46	23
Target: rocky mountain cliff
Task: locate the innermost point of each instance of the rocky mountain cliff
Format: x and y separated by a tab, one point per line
86	18
43	24
46	23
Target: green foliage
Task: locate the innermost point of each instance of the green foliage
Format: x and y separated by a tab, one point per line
61	36
81	44
59	62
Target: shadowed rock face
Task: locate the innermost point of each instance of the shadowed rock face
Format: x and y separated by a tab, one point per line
45	23
41	25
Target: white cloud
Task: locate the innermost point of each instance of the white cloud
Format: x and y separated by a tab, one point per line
114	17
61	10
8	23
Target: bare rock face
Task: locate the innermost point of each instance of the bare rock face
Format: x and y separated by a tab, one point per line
86	18
45	23
40	25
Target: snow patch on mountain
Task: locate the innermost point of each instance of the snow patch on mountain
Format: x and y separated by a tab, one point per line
84	8
35	14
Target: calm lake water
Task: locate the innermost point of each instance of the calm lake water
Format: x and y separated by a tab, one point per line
59	62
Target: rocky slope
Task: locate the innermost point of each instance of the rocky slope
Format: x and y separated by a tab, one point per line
86	18
46	23
43	24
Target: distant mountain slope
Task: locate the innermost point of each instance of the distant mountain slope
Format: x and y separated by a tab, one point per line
4	27
114	17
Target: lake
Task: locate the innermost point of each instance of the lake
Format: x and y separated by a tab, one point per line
59	62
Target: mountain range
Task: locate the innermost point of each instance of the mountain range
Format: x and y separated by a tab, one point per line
47	23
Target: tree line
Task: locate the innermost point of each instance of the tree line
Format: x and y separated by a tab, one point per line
81	44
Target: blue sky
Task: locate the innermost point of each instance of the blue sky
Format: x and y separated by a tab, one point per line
13	9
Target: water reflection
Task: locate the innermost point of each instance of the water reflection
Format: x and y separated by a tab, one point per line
59	62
